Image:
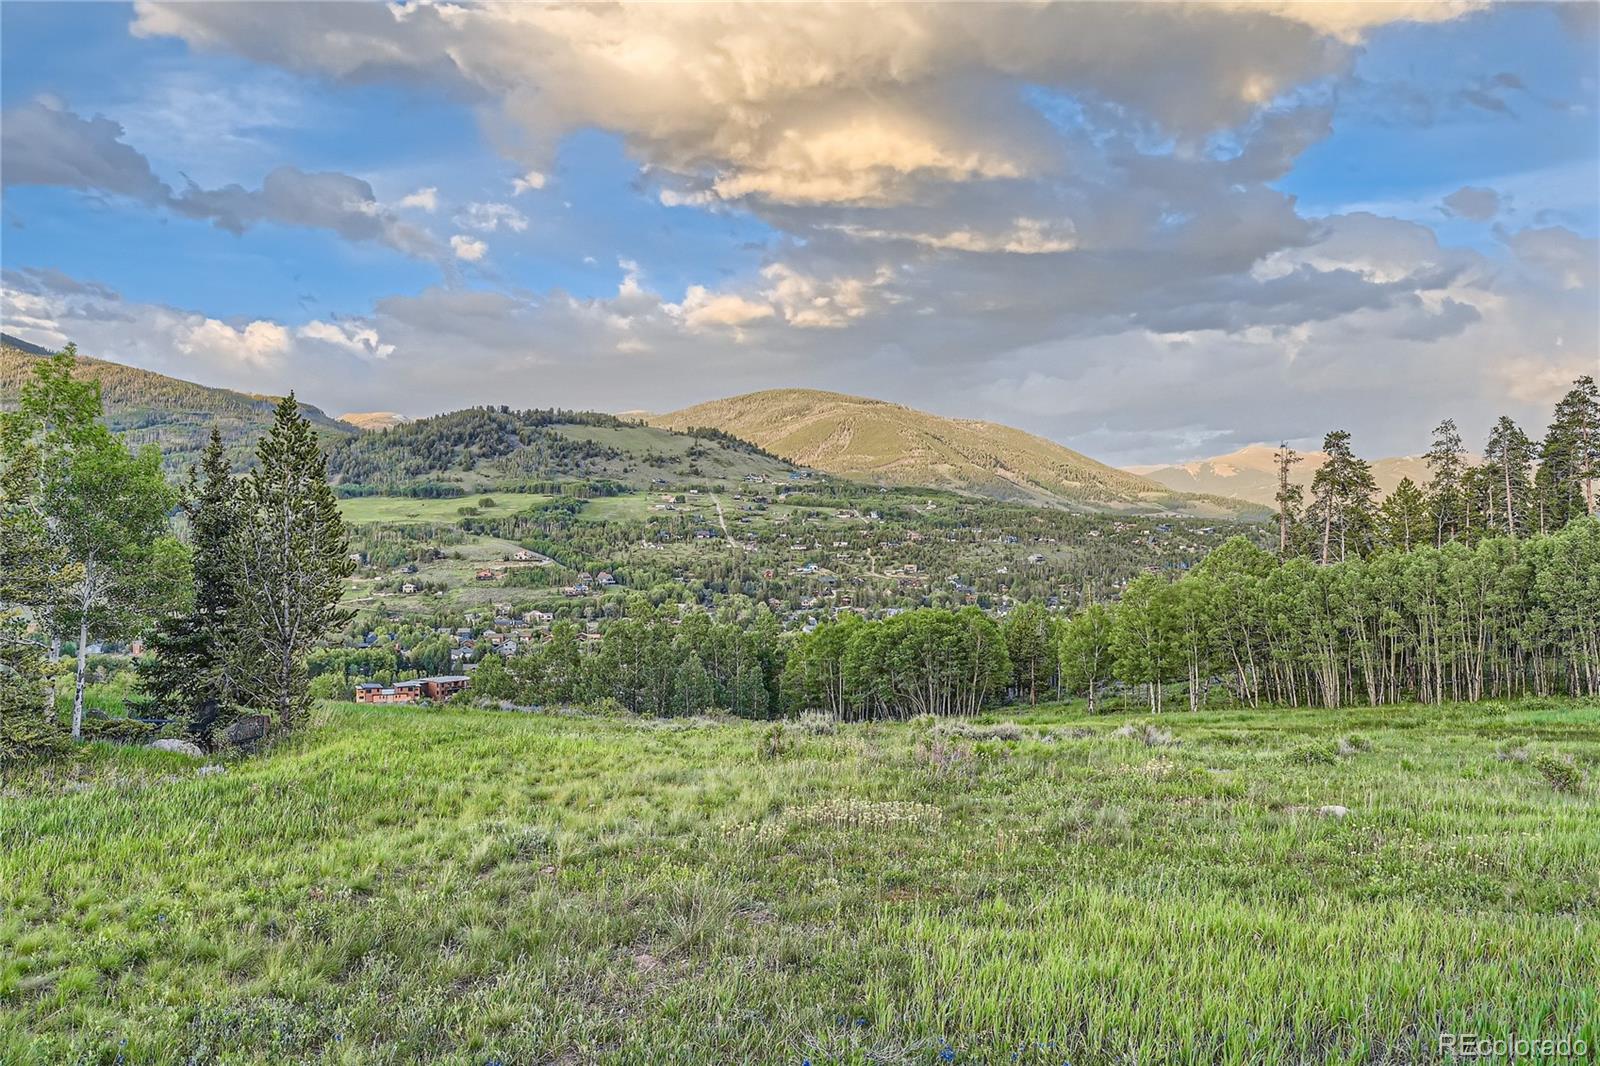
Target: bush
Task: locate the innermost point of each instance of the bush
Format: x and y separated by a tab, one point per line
969	731
1560	773
29	738
816	723
1147	734
117	730
1314	753
775	743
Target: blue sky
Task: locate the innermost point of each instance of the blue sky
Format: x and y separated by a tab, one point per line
1005	212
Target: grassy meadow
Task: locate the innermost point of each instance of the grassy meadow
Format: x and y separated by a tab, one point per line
407	510
404	885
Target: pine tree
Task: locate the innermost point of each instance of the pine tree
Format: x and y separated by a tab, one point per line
1289	497
289	557
1507	461
1404	520
1446	491
1030	641
1569	458
189	672
1342	491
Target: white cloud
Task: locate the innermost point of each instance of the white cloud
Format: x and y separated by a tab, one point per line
531	181
701	309
356	340
259	343
489	217
469	249
423	199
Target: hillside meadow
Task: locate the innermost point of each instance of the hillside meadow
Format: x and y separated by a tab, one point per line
473	887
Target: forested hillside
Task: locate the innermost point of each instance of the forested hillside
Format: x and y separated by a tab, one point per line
537	450
173	414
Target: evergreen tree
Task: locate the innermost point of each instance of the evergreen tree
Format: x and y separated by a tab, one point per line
1342	491
1290	497
1569	458
189	671
289	558
1507	463
1446	489
1030	641
1404	520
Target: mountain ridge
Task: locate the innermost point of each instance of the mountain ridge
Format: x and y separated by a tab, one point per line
887	443
1250	474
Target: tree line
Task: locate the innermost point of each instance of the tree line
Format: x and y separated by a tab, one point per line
88	554
1520	487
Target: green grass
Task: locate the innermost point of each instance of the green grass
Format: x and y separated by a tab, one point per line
404	886
405	510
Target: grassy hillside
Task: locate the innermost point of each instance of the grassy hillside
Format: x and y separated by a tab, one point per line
887	444
1250	474
480	887
175	415
488	447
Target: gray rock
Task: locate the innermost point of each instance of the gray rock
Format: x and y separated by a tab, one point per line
1333	810
182	747
207	771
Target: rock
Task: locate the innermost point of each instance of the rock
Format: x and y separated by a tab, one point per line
246	730
181	747
207	771
1333	810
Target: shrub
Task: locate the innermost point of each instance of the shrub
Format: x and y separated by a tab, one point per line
775	743
816	723
1147	734
117	730
969	731
1313	753
1353	744
1559	772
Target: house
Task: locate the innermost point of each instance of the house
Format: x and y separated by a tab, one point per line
1036	558
440	687
604	577
483	575
372	692
409	586
522	555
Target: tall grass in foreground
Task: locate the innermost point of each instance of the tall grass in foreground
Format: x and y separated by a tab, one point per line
402	886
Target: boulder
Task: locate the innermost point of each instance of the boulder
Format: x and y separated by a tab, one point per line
207	771
181	747
247	730
1333	810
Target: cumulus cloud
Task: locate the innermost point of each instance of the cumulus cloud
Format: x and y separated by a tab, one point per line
814	103
1068	217
423	200
43	143
469	249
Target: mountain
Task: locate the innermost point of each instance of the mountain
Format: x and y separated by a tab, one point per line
497	448
175	415
374	420
887	444
1249	473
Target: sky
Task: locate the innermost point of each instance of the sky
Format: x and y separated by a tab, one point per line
1152	232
